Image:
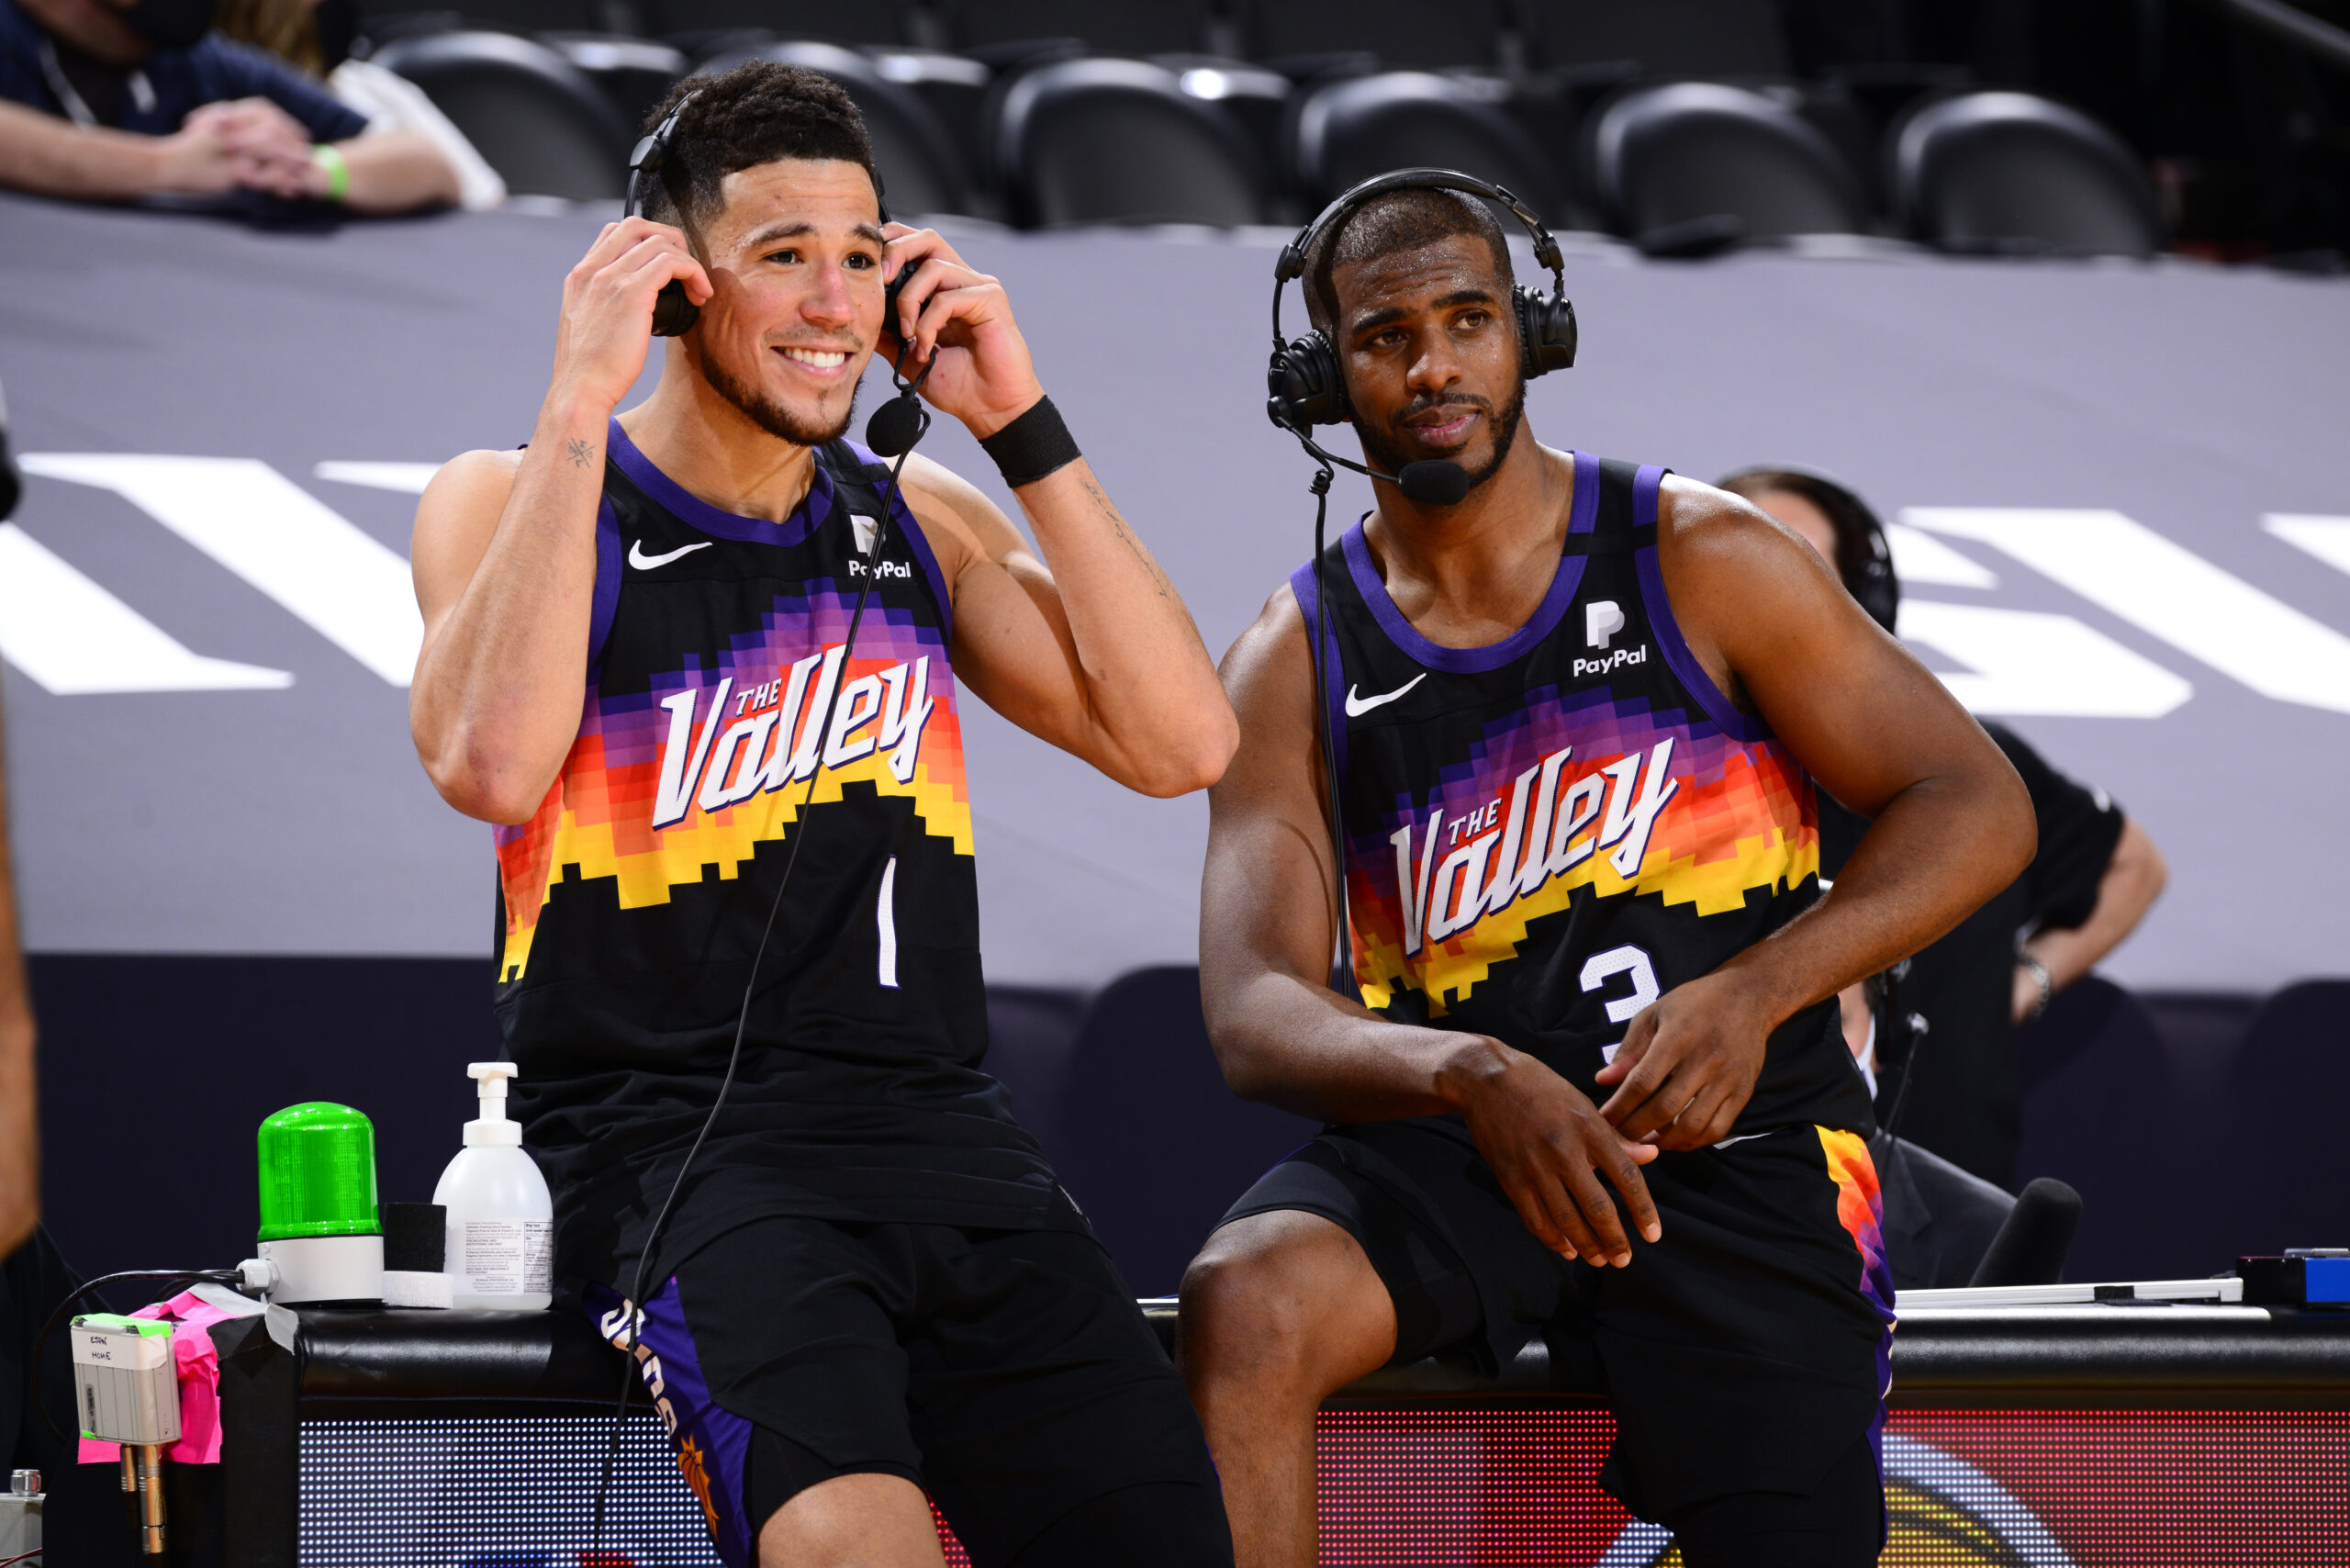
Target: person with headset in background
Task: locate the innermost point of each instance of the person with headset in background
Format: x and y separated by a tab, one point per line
646	660
112	100
2091	881
1560	712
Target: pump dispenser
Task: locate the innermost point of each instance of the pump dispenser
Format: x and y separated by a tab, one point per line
501	1217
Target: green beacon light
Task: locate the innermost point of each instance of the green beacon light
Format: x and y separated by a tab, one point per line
318	1220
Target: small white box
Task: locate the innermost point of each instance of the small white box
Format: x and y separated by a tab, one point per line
124	1385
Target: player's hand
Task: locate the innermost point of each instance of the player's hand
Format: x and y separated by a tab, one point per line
197	159
1549	1146
607	324
983	376
1688	1064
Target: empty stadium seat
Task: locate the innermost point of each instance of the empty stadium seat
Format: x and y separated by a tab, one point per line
1400	32
1101	141
2008	172
954	86
1348	130
2104	1111
2287	1089
921	171
1255	96
1128	26
634	74
1152	1144
1693	164
535	117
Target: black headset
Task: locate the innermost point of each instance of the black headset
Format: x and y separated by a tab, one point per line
1305	382
673	314
1873	583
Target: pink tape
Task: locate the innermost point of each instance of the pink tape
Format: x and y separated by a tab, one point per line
197	1365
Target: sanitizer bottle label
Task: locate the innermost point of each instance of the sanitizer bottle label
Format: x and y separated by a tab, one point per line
508	1256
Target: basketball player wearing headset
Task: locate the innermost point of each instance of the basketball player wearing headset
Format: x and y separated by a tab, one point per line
869	1281
1593	1090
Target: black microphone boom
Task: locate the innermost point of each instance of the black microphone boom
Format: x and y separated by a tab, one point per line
1434	483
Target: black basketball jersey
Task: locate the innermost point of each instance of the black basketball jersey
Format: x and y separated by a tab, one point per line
1546	834
633	901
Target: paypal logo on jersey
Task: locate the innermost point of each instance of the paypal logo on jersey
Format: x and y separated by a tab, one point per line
1602	618
1615	660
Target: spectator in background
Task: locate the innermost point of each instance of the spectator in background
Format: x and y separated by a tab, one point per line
315	36
109	100
2090	883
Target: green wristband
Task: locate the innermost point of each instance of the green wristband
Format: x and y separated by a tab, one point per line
328	156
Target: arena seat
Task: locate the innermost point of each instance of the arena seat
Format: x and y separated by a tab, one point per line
1103	140
921	171
1700	164
1255	97
534	117
2286	1087
1400	32
1348	130
2104	1111
1152	1144
634	74
2015	174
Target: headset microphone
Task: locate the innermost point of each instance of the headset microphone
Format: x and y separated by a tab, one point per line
1435	482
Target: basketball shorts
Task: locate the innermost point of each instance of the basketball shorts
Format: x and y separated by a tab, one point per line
1009	1373
1747	1352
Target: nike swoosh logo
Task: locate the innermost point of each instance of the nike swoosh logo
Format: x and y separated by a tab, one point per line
644	563
1358	706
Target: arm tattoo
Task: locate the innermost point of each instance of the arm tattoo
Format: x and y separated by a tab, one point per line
577	450
1125	535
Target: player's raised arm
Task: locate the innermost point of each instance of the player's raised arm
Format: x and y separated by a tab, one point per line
1951	823
505	546
1089	647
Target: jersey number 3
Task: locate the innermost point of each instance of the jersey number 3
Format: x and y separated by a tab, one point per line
1601	967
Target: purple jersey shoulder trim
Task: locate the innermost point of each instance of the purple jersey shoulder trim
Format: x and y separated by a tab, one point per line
1301	583
1670	642
1546	616
606	600
1586	511
697	513
901	518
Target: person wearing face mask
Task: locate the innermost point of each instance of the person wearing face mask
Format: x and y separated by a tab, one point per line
115	100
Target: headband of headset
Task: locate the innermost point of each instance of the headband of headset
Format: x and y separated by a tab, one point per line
1873	581
1305	383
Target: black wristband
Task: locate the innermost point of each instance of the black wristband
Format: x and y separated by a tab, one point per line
1030	447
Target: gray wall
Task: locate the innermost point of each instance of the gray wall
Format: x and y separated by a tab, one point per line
291	817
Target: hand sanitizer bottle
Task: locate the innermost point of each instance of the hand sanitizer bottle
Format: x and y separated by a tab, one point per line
502	1219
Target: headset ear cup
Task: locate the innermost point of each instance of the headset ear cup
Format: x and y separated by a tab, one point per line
1546	326
1304	385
